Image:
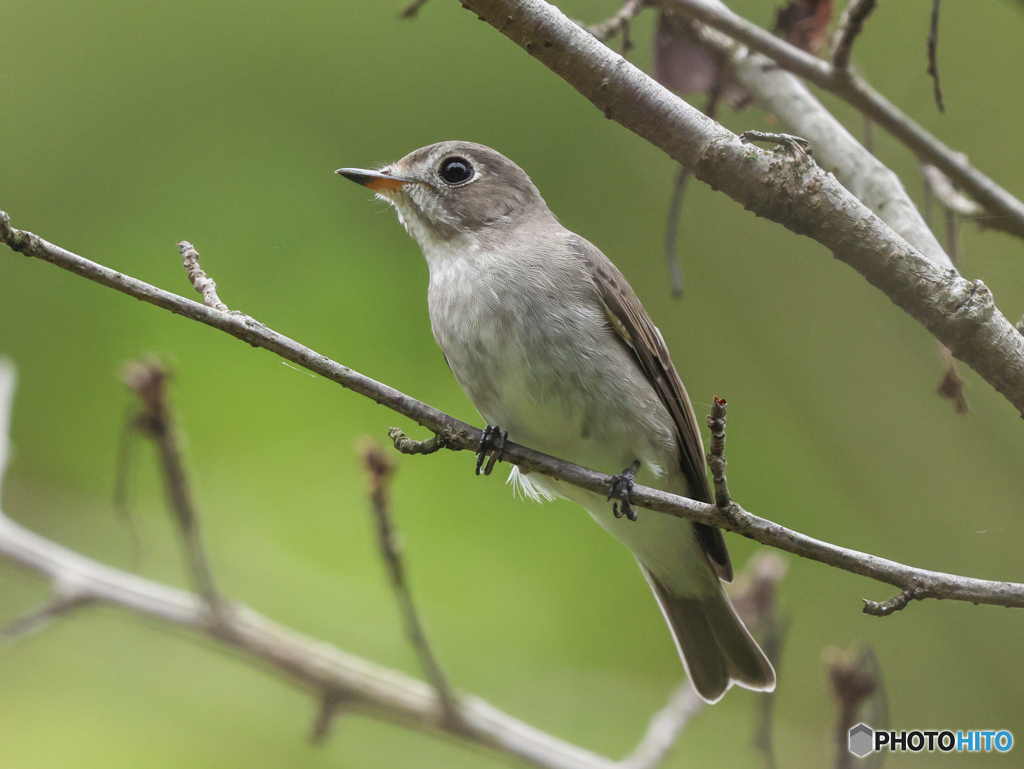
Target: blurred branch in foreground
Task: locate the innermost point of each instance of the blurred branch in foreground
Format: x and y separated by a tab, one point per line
379	468
148	380
933	55
459	435
754	595
859	689
339	679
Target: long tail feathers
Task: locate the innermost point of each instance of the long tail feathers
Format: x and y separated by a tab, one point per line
716	648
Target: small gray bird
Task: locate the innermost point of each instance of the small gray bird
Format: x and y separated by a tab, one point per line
549	341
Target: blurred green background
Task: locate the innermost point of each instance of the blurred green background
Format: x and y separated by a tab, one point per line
129	126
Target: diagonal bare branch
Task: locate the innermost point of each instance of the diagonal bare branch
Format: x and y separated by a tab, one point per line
933	55
716	453
850	26
879	188
460	435
664	728
311	664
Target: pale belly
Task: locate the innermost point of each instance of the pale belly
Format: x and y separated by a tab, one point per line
574	392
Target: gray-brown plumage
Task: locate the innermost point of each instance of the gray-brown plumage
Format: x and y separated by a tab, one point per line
550	342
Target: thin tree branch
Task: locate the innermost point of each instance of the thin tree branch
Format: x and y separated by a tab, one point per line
772	638
675	209
379	469
675	206
66	599
461	435
121	483
754	596
199	279
875	185
933	54
859	689
960	313
407	445
896	603
148	381
664	729
331	704
410	10
785	96
851	25
1006	211
609	28
311	664
940	186
716	454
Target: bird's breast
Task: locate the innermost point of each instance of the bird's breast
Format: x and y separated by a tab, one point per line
537	356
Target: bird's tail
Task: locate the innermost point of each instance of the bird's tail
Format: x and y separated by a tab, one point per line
716	648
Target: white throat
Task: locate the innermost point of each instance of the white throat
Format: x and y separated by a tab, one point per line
440	253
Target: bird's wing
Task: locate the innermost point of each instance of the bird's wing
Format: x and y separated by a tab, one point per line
632	323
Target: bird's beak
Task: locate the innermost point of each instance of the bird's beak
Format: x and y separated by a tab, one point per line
374	180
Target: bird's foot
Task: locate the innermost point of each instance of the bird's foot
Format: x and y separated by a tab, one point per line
491	447
620	487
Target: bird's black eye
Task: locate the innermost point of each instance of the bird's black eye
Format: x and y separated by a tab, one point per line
456	170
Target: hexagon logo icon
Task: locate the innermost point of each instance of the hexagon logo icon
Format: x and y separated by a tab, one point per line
862	739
